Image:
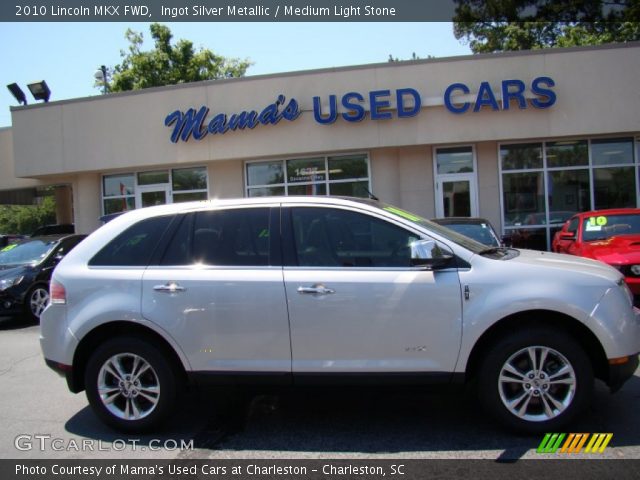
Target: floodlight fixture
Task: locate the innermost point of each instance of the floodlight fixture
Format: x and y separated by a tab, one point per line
101	76
17	92
40	90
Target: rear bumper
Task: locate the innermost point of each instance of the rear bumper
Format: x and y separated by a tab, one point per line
619	374
65	371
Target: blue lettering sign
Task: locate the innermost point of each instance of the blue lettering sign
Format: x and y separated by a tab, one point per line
546	96
404	111
447	98
191	123
376	105
187	124
333	110
408	103
485	97
508	93
355	112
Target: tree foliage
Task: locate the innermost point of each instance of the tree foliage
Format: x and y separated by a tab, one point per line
168	64
501	25
25	219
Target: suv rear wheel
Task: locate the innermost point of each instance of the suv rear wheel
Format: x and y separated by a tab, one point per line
536	380
130	385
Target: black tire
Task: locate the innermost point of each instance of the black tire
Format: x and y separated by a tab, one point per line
548	399
132	396
35	301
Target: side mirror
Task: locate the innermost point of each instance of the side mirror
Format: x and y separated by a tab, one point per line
427	253
568	236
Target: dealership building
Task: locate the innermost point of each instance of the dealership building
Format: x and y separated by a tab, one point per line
524	139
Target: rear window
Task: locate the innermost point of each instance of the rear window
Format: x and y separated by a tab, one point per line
134	246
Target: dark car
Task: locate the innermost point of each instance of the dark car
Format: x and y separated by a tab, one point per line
25	271
57	229
10	238
479	229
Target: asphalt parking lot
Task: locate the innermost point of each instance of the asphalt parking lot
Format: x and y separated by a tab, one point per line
42	419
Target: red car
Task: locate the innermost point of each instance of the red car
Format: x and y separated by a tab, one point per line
611	236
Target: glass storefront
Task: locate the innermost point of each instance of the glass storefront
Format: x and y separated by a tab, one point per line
326	175
127	191
545	183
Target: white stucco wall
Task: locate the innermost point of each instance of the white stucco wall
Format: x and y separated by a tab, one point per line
596	94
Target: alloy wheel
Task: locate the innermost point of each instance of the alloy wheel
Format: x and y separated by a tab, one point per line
38	301
537	384
128	386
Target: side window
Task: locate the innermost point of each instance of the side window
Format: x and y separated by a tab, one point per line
327	237
134	246
236	237
573	225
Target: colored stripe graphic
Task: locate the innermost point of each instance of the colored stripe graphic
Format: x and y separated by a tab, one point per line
598	442
550	443
574	443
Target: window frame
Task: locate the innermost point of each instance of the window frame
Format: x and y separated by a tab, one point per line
136	185
160	244
326	182
290	260
545	170
189	221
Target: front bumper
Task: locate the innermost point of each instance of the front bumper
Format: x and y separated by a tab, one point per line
10	305
620	373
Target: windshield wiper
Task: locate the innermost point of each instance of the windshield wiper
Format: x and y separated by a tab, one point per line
504	251
492	250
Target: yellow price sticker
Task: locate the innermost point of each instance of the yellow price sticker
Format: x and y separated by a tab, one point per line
598	221
403	213
9	247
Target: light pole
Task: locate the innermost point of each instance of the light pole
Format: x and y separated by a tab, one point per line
101	76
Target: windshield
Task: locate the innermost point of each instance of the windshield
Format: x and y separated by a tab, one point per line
28	252
601	227
447	233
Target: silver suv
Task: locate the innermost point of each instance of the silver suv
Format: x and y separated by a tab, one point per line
321	290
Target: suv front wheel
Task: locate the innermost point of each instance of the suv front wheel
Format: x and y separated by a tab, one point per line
536	380
130	385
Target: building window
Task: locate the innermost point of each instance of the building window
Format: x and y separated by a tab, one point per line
334	175
545	183
189	184
127	191
454	160
153	178
118	193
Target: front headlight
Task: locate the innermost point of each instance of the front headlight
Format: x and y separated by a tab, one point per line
9	282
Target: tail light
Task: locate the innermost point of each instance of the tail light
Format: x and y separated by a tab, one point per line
58	293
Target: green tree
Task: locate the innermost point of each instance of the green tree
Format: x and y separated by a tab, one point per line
501	25
168	64
25	219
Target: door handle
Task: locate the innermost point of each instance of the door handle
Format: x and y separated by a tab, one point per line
316	290
169	287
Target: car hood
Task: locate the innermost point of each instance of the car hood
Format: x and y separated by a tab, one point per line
7	271
618	250
565	264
